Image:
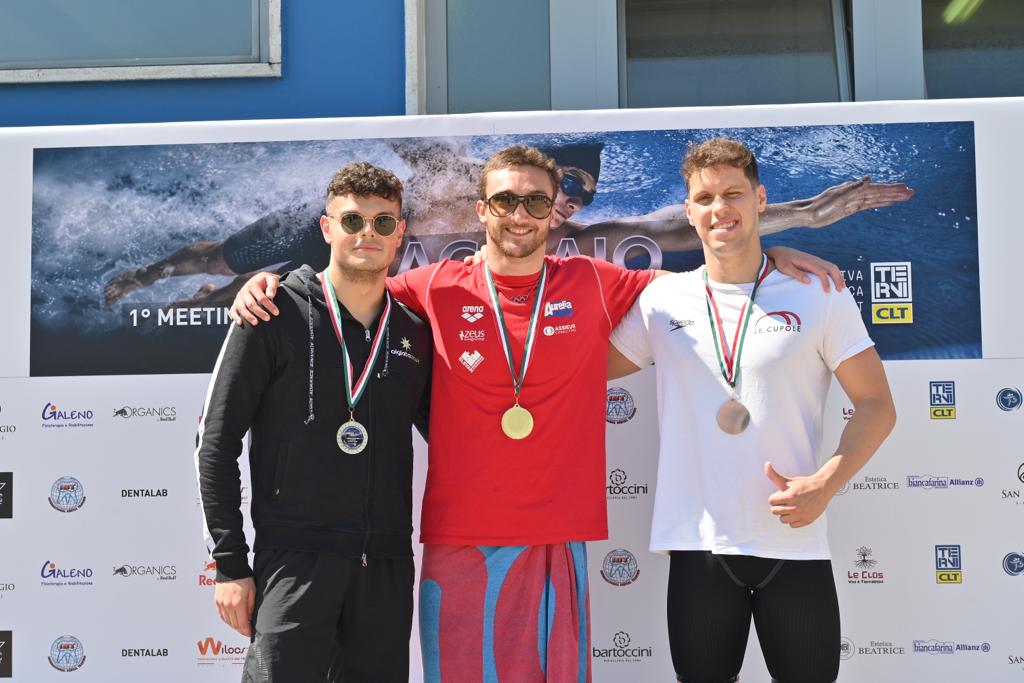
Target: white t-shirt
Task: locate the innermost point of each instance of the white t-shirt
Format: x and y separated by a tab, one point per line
712	493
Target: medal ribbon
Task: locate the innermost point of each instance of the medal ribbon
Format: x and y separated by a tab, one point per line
531	335
729	359
353	392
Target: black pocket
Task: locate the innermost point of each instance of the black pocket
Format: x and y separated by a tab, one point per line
278	490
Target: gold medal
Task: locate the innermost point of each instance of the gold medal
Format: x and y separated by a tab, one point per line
517	422
733	417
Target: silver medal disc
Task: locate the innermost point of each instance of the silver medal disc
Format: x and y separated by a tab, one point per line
352	437
733	417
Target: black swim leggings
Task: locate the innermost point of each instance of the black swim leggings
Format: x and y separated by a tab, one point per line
711	599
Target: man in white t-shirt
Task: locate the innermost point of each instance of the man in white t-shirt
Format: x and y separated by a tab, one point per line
744	357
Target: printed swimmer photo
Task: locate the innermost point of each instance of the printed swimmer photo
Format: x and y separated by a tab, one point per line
137	251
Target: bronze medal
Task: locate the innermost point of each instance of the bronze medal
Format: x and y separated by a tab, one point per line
733	417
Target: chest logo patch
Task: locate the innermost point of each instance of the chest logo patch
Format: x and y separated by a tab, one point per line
472	313
778	322
471	360
558	309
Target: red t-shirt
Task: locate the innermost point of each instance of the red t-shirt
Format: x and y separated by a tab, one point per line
484	488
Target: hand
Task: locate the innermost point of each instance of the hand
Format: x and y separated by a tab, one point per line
798	264
254	302
476	257
846	199
799	500
235	603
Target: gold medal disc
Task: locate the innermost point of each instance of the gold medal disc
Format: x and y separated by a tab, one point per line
733	417
517	422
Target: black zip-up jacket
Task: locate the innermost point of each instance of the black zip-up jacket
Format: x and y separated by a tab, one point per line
283	380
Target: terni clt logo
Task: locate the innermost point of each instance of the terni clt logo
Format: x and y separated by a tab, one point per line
948	564
942	400
891	293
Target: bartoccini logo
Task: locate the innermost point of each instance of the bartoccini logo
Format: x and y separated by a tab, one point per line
619	406
158	413
623	649
948	564
619	487
942	400
67	654
620	568
892	293
67	495
778	321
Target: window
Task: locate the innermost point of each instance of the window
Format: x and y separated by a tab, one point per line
709	52
973	48
71	40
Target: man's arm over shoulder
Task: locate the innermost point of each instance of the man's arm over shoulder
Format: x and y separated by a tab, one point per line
412	287
243	371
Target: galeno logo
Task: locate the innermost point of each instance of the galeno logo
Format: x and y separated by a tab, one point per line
619	489
54	417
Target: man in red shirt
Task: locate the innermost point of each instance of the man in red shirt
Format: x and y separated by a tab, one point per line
515	481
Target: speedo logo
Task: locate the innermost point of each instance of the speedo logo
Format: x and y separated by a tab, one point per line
472	313
558	309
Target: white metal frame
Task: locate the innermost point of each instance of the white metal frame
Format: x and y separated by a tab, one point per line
269	68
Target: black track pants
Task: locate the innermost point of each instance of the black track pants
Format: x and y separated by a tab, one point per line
322	618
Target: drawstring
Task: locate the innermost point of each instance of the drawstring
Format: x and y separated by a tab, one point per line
312	349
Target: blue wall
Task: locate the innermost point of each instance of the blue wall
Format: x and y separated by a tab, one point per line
339	58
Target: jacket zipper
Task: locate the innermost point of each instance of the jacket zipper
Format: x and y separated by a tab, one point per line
369	458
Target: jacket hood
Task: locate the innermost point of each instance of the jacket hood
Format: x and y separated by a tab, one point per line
305	284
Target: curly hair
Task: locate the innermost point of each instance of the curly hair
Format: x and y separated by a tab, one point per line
719	151
520	155
365	180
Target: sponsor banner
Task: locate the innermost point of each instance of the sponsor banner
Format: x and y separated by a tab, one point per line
6	495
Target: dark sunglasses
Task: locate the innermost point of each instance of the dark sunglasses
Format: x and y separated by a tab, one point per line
505	203
353	223
573	186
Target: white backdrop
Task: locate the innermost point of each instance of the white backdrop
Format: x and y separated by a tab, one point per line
129	583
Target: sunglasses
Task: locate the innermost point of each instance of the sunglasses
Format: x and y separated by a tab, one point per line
573	186
353	223
505	203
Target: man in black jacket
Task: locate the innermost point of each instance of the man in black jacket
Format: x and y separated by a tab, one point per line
329	391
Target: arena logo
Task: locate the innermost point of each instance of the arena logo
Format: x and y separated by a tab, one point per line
143	493
846	648
942	400
619	487
158	413
6	495
163	572
1008	399
67	654
558	309
623	649
620	567
778	321
949	564
931	482
53	575
881	647
67	495
144	652
208	575
213	652
948	647
1013	564
56	418
866	572
6	653
6	429
619	406
472	313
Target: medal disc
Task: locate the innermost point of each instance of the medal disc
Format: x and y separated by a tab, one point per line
517	422
733	417
352	437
